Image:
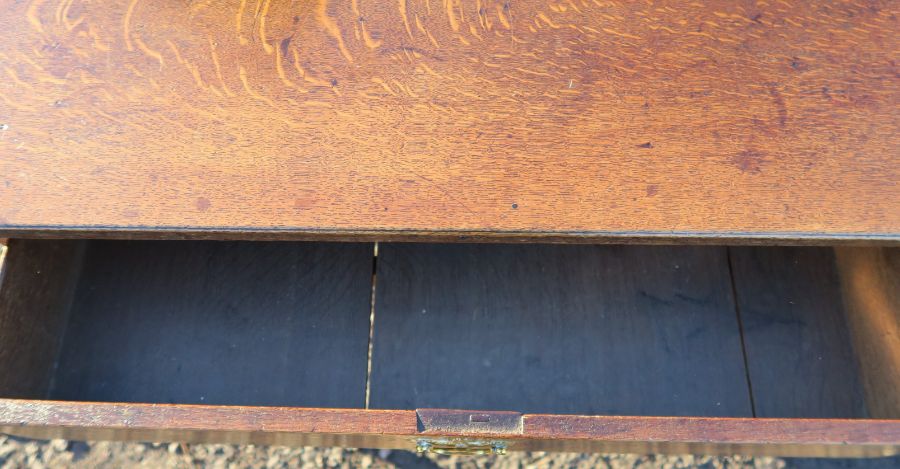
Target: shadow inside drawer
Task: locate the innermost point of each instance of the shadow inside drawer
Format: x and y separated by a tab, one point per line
572	329
612	330
219	323
640	330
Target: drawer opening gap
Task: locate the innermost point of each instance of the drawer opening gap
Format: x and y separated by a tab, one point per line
740	322
371	322
704	331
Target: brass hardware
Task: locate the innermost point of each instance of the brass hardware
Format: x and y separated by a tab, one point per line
460	446
474	432
469	422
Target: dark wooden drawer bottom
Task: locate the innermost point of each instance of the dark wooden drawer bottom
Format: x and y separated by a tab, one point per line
757	350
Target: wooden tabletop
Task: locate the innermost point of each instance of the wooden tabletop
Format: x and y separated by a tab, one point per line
571	119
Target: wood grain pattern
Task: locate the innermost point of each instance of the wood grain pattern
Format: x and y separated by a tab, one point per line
219	323
610	330
38	278
871	287
522	118
210	424
788	437
398	429
800	358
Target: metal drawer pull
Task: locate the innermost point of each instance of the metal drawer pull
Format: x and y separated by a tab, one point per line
460	446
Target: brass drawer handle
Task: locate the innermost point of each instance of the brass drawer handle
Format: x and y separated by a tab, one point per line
460	446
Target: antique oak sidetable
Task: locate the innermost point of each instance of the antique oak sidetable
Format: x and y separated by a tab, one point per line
454	226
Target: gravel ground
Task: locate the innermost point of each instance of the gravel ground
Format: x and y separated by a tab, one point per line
24	453
19	452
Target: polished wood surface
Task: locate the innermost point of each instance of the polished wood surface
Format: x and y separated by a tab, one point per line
212	424
399	429
721	119
871	288
786	437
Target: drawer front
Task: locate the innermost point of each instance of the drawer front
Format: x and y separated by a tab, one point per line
467	431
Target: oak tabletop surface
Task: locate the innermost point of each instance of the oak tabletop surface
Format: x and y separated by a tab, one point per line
570	118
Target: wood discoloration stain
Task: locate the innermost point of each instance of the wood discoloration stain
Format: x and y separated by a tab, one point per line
749	161
203	204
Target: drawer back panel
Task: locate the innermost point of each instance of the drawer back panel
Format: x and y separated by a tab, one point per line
613	330
636	330
219	323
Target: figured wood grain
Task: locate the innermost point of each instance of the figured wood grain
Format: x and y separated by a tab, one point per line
609	330
37	279
234	323
398	429
871	288
800	356
519	118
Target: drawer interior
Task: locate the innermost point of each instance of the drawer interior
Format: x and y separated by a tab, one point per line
569	329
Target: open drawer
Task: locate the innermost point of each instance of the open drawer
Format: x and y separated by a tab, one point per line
704	349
